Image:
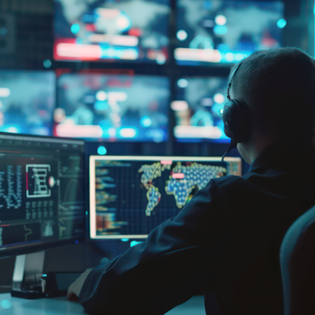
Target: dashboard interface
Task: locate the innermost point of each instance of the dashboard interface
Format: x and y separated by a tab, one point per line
42	197
197	109
130	196
214	32
27	101
113	107
120	30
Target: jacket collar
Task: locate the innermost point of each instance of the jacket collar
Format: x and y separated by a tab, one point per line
283	154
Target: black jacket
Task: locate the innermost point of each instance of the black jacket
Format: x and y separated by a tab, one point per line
225	241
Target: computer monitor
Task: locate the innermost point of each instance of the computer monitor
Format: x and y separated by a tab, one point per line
113	107
197	109
27	101
131	195
42	194
222	32
116	30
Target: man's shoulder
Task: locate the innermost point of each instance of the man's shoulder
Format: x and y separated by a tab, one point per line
229	180
231	185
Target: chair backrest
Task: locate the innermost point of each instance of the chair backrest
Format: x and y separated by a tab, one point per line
297	263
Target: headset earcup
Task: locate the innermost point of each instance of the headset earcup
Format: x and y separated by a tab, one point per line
227	117
236	119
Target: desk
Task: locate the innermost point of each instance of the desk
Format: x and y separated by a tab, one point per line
60	306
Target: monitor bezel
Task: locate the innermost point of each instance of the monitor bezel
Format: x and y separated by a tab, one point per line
36	247
93	158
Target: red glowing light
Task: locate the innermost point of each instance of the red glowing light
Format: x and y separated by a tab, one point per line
178	175
135	32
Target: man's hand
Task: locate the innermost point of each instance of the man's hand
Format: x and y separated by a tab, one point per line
75	288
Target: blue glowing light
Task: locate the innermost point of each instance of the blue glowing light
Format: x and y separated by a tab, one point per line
75	28
100	105
229	57
133	243
13	129
182	83
220	29
125	239
44	275
101	150
223	48
239	56
6	304
77	242
145	121
207	5
202	41
47	63
281	23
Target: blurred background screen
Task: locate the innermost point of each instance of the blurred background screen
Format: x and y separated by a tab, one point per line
118	30
27	101
226	31
197	109
113	107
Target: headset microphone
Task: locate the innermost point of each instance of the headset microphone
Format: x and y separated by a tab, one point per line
232	145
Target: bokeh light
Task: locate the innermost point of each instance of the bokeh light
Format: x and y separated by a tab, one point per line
101	150
75	28
181	35
281	23
219	98
220	19
47	63
101	96
182	83
6	304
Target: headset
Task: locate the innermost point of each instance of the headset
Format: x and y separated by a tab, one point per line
236	118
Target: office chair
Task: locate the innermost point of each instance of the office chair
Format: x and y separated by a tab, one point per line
297	263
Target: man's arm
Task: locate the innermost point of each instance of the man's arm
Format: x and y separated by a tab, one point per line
166	270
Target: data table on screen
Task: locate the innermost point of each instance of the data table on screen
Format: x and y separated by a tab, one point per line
42	195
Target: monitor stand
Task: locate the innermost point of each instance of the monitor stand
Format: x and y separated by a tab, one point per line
27	280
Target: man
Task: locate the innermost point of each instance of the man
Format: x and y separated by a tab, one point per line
226	240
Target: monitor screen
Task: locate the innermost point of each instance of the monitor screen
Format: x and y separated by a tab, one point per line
112	107
27	101
131	195
129	30
197	109
42	199
210	32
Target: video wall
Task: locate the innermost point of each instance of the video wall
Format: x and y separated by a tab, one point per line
27	101
147	106
113	107
135	30
197	109
207	31
225	31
